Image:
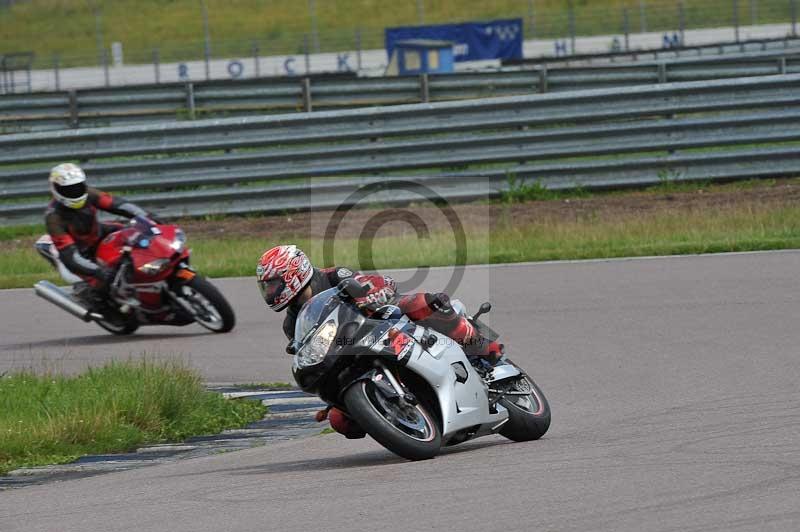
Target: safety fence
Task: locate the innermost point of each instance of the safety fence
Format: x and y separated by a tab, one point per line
158	103
630	136
672	48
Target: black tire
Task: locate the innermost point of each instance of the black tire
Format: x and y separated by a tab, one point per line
226	319
121	328
360	407
526	423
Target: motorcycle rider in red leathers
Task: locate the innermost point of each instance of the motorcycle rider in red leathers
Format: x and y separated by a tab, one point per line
72	225
287	280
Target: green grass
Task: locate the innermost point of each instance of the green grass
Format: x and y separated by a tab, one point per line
23	266
68	27
671	233
667	233
14	232
52	419
520	190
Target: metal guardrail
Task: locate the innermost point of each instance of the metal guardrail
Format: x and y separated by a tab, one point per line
12	68
157	103
728	129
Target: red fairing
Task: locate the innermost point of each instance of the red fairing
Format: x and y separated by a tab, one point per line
111	249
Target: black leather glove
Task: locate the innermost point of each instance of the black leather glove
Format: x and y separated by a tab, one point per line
439	302
106	277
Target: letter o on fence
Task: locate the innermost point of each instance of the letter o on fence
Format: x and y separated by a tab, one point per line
235	69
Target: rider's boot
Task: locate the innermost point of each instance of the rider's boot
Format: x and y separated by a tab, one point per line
483	353
341	423
89	295
82	291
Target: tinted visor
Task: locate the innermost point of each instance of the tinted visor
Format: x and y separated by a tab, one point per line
271	289
72	191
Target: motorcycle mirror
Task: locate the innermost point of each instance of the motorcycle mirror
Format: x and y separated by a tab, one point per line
484	308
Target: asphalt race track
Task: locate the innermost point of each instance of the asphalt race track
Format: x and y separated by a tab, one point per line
673	384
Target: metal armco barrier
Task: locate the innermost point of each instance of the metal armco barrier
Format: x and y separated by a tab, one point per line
728	129
181	102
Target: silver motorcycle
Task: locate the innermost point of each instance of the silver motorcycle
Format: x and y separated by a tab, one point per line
410	388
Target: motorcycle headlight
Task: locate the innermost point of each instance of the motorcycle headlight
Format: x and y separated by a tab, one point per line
315	349
155	267
179	242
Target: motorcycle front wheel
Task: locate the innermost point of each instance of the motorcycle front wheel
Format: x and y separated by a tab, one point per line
407	430
211	309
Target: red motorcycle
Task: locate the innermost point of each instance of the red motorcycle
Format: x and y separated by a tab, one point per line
153	285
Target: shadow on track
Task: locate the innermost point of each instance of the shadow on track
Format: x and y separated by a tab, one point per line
98	340
365	459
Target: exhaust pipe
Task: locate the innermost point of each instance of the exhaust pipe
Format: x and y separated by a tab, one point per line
56	296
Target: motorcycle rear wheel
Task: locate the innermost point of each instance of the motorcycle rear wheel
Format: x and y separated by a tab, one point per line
410	432
528	415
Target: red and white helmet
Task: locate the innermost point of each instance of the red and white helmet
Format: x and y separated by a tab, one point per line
283	272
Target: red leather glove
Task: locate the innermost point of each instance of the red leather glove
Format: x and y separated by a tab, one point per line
381	291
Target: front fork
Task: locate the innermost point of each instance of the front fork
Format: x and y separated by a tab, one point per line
389	385
183	274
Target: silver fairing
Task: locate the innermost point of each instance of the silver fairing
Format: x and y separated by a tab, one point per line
464	405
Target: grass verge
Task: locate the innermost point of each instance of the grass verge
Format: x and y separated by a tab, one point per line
533	224
53	419
667	233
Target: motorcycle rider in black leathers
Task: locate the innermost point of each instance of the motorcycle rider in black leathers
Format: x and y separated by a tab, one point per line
287	280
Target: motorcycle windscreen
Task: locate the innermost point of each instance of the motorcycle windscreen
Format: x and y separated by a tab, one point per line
314	310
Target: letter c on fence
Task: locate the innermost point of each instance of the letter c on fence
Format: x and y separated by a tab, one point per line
235	69
287	65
